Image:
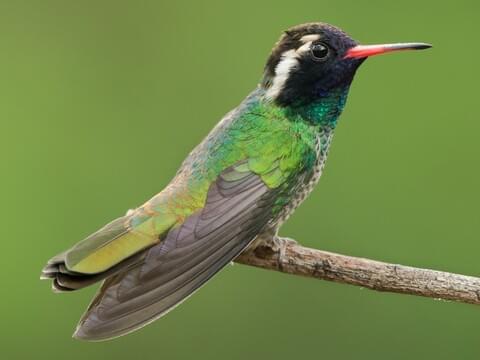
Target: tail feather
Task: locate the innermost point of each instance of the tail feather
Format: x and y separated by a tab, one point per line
65	280
112	249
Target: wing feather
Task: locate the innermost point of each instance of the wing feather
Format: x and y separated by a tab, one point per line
238	206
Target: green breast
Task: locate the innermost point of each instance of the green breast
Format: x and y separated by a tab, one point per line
277	143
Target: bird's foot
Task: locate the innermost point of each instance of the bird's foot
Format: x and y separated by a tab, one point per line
278	243
281	244
271	243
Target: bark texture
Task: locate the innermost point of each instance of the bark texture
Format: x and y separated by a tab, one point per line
289	257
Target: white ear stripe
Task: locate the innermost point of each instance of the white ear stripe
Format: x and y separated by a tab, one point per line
287	62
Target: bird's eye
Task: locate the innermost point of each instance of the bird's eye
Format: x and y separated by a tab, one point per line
319	51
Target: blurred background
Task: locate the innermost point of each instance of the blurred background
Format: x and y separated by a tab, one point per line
100	101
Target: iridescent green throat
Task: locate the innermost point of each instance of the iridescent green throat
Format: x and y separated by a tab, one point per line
324	111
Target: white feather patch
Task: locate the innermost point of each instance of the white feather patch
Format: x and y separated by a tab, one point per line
310	38
288	61
304	48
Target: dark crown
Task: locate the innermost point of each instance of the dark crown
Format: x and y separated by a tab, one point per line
290	39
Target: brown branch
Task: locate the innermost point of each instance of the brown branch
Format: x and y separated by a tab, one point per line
292	258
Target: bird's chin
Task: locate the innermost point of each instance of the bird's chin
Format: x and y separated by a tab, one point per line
351	66
358	61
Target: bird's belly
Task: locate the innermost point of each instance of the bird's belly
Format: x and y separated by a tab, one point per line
307	182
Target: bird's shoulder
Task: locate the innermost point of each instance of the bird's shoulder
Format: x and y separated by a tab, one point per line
257	137
275	143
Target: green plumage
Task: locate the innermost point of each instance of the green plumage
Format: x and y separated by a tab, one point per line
241	183
278	145
259	139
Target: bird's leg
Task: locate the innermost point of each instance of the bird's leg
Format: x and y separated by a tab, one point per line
280	244
268	245
270	241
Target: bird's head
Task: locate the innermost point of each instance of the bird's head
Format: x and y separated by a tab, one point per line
312	60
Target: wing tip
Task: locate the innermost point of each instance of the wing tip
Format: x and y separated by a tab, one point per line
81	334
78	334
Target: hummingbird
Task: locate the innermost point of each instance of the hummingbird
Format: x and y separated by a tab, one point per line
232	192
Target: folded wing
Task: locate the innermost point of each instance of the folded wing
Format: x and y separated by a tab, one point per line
238	206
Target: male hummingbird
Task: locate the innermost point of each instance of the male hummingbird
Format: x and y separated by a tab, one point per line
239	185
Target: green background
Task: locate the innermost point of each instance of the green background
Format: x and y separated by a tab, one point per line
100	101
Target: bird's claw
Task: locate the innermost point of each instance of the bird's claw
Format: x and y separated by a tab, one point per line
274	242
287	241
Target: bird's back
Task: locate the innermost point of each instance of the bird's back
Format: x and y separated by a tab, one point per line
276	146
232	186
